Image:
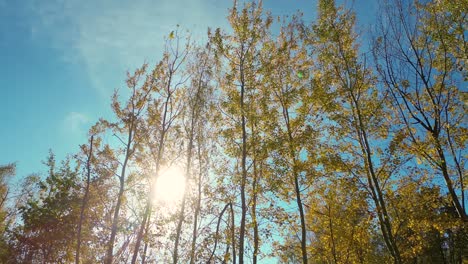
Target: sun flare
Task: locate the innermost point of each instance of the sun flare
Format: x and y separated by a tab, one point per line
170	185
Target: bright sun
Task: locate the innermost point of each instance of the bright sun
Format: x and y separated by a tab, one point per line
170	185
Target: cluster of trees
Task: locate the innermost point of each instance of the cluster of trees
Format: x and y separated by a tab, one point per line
296	145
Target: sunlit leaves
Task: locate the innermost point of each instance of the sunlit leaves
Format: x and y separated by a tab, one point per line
287	118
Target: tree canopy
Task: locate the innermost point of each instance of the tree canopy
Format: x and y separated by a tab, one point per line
297	142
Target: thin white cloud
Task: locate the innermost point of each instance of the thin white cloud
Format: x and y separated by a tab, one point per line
75	123
109	37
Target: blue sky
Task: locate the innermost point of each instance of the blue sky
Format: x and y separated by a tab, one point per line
62	59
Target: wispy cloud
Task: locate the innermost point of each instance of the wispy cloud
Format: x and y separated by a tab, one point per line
108	37
75	123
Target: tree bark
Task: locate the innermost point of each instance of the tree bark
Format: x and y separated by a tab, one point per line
159	155
243	165
85	200
182	209
197	208
297	189
217	232
109	256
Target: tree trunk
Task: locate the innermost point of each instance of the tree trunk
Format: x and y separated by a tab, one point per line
233	234
301	214
217	232
110	257
141	231
85	200
197	208
244	167
195	113
296	183
384	218
146	216
182	209
332	235
254	215
443	166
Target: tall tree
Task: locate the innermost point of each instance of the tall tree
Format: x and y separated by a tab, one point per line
128	125
85	200
421	56
163	112
239	53
359	111
285	68
202	202
196	101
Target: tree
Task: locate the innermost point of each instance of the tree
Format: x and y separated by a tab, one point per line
285	65
161	119
129	125
85	200
341	221
196	101
47	214
359	111
239	53
6	171
417	55
292	147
